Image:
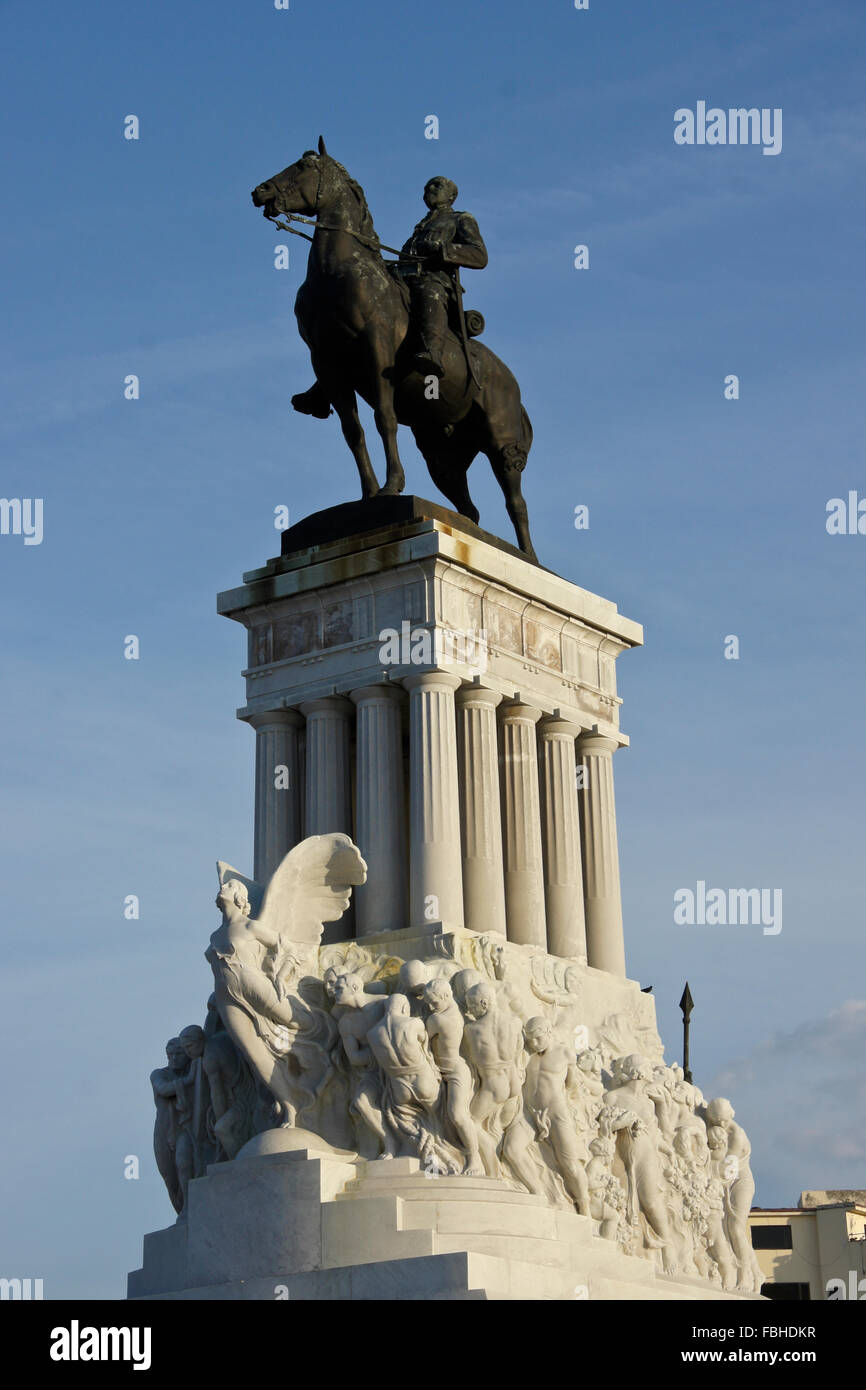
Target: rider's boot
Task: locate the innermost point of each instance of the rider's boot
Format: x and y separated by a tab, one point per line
428	359
313	402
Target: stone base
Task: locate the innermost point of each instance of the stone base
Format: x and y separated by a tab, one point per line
313	1224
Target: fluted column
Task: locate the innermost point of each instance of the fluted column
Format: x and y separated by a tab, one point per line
329	774
560	835
521	828
435	874
480	819
380	819
278	788
604	937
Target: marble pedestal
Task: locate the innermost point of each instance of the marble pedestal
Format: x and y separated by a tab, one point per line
420	687
313	1225
419	684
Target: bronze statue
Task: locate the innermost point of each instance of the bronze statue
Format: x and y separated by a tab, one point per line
441	242
398	337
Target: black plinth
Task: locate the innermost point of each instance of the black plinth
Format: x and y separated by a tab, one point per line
376	513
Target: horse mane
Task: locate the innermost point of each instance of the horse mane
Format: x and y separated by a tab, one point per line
366	228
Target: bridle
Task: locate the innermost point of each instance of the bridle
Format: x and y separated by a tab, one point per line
326	227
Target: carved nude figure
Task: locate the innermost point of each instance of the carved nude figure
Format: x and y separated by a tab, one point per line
413	978
233	1095
445	1031
359	1012
194	1149
606	1197
411	1080
494	1045
550	1073
165	1082
717	1241
629	1113
736	1173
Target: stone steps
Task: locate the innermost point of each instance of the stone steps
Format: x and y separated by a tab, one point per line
313	1227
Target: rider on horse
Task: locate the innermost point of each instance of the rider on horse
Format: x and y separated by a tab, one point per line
441	240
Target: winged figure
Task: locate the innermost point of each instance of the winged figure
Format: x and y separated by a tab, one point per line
259	953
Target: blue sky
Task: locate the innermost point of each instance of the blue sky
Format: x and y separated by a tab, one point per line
707	516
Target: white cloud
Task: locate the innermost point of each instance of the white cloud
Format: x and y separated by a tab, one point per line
801	1095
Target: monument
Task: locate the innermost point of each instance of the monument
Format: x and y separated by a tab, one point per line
423	1072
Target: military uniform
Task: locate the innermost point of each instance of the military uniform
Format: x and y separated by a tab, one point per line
445	239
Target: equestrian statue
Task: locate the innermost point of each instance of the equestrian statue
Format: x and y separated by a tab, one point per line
396	334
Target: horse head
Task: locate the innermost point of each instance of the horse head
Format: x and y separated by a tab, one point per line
314	183
298	188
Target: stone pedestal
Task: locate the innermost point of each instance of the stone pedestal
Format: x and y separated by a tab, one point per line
487	646
422	688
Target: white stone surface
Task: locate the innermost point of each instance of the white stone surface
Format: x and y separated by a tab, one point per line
380	809
521	824
481	823
436	869
304	1226
603	901
563	859
278	823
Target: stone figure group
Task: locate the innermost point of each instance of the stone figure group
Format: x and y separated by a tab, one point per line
207	1105
472	1059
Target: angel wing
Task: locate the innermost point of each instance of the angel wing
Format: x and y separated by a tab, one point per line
311	886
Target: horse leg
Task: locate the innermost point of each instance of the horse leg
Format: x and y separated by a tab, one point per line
448	463
386	421
345	403
508	464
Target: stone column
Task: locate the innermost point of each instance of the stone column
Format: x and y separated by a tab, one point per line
604	938
329	774
480	817
278	788
560	836
435	872
381	904
521	824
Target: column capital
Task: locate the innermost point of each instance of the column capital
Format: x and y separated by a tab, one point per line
552	726
274	719
381	690
431	680
328	704
469	695
590	741
515	711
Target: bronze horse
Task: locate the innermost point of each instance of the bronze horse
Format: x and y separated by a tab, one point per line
353	314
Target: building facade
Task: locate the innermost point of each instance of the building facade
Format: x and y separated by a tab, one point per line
816	1250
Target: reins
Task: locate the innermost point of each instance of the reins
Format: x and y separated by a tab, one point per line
327	227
